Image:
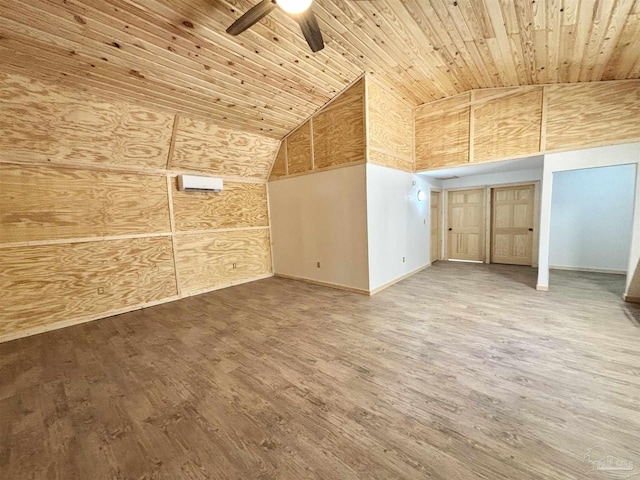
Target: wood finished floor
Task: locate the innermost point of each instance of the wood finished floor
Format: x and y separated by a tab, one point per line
460	372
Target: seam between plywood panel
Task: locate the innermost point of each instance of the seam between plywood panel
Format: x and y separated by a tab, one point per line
174	242
172	142
365	113
60	241
285	142
472	112
543	119
215	230
313	162
131	170
413	140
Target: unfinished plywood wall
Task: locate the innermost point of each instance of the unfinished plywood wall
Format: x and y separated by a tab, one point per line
498	124
366	122
91	221
334	137
442	133
390	132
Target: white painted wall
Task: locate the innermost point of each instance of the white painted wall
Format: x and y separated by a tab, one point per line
517	176
591	218
321	217
575	160
398	224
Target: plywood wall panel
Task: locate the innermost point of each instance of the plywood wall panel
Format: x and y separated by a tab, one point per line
238	205
508	126
442	133
207	260
390	129
592	114
40	285
205	147
299	151
391	161
339	130
47	203
280	165
45	123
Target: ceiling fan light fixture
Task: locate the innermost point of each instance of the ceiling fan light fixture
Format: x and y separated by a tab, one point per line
294	6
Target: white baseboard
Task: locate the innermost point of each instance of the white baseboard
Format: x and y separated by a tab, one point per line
542	288
338	286
588	269
399	279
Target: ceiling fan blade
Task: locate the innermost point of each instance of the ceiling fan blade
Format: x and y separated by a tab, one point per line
253	16
310	29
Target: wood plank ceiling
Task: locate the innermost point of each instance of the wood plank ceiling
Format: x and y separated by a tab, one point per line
175	55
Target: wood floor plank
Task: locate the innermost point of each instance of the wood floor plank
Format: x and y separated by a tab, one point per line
461	371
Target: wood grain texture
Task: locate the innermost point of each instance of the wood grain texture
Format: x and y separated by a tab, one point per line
205	147
434	378
49	124
391	135
279	168
339	129
592	114
238	205
208	260
299	150
508	126
48	283
386	160
442	133
46	203
173	55
507	123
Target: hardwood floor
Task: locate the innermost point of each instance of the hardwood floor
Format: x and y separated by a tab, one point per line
460	372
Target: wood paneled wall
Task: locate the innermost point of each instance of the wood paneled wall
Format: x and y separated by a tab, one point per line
499	124
334	137
92	222
366	122
390	133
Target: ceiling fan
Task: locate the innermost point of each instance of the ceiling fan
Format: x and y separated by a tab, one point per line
299	10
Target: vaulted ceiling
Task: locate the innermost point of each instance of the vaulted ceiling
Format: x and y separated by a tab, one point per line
175	54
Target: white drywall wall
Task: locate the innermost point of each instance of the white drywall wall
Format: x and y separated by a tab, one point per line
398	223
575	160
321	217
591	218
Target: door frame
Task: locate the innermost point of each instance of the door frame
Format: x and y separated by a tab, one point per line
488	208
441	249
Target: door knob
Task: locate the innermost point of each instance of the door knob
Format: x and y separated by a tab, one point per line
450	228
531	229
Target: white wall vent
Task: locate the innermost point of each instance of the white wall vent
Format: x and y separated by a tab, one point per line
191	183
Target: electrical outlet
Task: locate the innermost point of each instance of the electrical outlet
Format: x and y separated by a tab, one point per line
404	259
234	265
100	290
318	264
